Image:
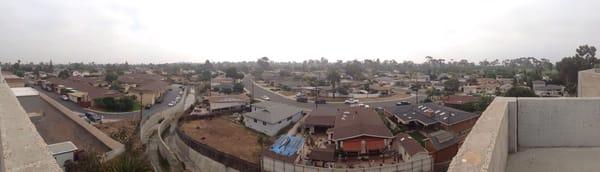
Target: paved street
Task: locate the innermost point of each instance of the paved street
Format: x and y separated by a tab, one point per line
169	96
259	92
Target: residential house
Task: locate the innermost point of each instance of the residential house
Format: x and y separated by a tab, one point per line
547	90
442	146
430	117
320	120
78	91
227	103
360	131
383	90
270	117
151	87
222	83
457	100
409	148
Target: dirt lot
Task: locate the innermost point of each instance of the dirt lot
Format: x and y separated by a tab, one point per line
121	131
226	136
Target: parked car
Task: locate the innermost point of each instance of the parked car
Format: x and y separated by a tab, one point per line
64	97
320	101
379	109
402	103
93	117
148	106
302	99
351	101
266	98
171	104
299	94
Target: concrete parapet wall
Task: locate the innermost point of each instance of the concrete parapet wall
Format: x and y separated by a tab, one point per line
115	147
486	147
558	122
21	146
418	165
588	83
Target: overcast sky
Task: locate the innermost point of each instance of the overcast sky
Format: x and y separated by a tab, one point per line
147	31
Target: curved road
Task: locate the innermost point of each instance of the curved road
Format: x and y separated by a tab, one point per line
169	96
259	92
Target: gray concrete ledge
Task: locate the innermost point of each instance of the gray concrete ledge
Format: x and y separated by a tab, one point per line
22	148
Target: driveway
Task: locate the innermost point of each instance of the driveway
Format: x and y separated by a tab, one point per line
259	92
169	96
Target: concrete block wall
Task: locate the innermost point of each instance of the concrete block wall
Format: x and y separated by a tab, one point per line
558	122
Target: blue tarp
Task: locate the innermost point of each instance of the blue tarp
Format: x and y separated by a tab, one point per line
287	145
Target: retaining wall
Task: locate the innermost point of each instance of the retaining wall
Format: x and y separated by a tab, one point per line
115	147
418	165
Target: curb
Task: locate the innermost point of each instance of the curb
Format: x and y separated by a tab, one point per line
111	113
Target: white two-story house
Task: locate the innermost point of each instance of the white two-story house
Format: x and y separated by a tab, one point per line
270	117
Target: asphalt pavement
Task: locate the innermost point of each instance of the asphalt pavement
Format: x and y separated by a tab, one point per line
258	92
169	96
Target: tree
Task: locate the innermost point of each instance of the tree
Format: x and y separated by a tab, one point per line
238	87
264	63
451	85
333	76
232	72
64	74
111	76
520	91
569	67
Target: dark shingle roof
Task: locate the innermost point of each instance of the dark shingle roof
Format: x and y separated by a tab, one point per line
357	121
410	145
321	117
272	112
438	114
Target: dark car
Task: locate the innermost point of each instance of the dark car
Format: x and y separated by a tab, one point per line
93	117
302	99
402	103
320	101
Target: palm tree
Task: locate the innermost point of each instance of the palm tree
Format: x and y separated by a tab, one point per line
334	77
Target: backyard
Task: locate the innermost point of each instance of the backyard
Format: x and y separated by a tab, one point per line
226	136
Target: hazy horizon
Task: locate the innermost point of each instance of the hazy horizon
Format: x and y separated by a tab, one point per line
233	30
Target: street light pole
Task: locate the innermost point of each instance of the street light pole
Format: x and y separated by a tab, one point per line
141	108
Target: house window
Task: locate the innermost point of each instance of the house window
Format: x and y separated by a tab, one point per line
255	121
264	123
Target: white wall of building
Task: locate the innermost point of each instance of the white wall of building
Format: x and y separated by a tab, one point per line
268	128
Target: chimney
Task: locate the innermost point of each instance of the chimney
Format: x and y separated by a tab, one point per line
429	114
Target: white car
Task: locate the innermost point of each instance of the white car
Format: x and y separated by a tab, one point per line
64	97
266	98
351	101
171	104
